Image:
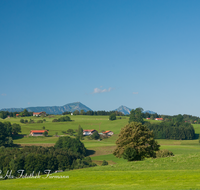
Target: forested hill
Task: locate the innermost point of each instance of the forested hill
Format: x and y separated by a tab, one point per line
52	109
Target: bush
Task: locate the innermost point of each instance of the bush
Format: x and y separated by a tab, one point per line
112	117
40	121
45	133
21	120
31	121
95	135
104	163
164	153
55	120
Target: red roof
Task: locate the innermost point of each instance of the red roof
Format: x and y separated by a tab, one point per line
17	114
159	118
106	131
88	130
38	131
37	112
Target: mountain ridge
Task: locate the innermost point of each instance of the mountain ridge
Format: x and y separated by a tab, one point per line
71	107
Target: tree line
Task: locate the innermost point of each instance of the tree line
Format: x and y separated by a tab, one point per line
175	128
68	153
90	112
24	113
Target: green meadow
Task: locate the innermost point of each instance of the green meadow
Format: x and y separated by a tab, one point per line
179	172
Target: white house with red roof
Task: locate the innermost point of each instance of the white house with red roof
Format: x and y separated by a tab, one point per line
37	132
39	113
109	133
88	132
159	119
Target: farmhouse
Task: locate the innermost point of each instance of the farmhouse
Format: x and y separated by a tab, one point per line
37	132
160	119
39	113
88	132
109	133
148	118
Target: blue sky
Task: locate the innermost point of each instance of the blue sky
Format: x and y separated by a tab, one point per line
103	53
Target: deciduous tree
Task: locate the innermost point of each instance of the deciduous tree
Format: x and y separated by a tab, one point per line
135	142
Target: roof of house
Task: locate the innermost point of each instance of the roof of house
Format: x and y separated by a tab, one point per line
107	131
159	118
89	130
38	112
38	131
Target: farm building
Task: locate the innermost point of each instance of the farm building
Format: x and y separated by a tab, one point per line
109	133
160	119
37	132
88	132
39	113
148	118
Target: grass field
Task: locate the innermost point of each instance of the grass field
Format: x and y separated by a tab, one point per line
179	172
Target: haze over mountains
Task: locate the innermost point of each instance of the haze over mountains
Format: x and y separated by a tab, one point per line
71	107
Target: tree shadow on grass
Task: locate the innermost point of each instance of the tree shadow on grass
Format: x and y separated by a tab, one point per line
15	137
196	136
90	152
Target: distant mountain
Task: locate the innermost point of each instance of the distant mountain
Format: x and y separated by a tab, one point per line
125	110
52	109
148	111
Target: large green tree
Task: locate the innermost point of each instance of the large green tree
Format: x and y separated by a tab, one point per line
136	115
135	142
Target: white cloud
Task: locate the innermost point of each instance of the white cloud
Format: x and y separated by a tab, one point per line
98	90
135	92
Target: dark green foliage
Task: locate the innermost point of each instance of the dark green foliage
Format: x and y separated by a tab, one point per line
62	119
130	154
70	132
71	145
104	163
37	159
164	153
83	163
40	121
112	117
95	135
45	133
5	134
21	120
136	137
136	116
80	133
172	130
66	113
16	128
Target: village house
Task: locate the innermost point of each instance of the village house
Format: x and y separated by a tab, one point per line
159	119
148	118
88	132
109	133
37	132
39	113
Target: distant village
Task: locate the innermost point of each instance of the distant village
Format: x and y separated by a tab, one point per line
86	132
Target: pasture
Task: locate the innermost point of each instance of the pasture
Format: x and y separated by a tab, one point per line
179	172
